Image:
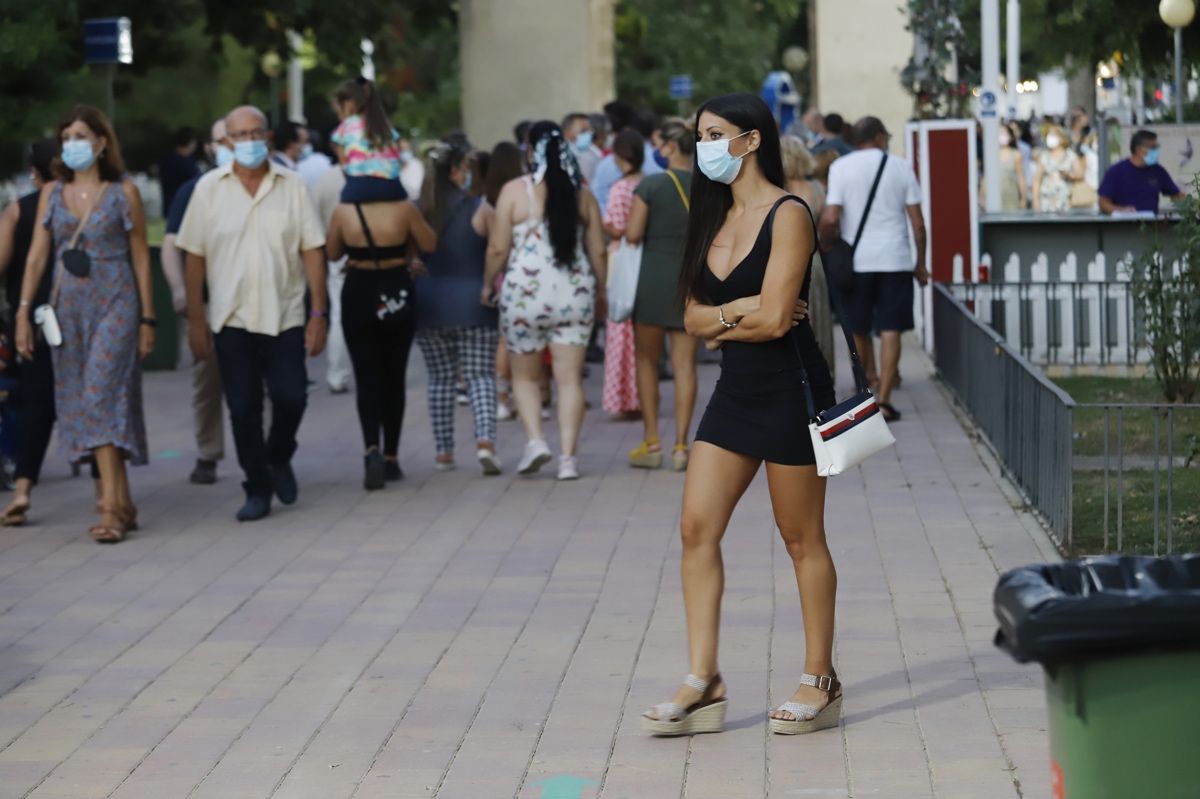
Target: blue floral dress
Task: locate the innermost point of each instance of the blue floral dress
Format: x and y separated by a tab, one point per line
97	372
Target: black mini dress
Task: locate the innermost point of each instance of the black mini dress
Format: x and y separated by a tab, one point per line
758	407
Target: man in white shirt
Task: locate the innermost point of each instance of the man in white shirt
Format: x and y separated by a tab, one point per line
882	298
577	129
252	236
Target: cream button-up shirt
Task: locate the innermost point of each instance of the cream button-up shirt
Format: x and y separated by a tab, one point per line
252	247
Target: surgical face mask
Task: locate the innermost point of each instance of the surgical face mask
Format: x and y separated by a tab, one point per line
250	154
222	155
1054	141
661	159
583	141
466	184
77	154
1005	138
1152	157
716	162
306	151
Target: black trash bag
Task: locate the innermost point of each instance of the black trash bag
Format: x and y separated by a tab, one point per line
1099	605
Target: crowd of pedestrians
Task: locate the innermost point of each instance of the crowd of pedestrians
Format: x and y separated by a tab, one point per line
493	262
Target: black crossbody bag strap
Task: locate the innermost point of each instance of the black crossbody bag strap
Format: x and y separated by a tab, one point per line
362	218
860	376
862	223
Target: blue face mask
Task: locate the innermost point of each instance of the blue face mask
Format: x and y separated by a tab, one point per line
1152	157
466	185
250	154
716	162
306	151
77	154
583	141
661	160
223	155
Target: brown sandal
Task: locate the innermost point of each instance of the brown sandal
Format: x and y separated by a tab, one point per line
109	533
15	516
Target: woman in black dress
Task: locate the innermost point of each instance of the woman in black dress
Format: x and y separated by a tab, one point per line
745	279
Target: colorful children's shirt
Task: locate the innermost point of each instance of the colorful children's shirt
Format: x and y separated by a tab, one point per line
361	157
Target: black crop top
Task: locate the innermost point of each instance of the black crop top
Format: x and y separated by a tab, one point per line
368	254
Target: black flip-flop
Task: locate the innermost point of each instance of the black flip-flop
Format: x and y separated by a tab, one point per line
890	414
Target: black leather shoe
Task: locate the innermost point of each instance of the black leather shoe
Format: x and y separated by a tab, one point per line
205	473
257	506
283	480
392	471
376	471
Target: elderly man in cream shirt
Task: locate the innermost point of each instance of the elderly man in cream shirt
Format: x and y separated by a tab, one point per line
252	235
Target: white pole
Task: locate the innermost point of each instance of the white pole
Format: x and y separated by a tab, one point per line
990	101
1013	55
295	80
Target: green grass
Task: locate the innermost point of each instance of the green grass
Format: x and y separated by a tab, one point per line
1088	512
1138	425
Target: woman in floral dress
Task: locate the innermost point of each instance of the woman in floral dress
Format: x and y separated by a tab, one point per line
620	363
103	302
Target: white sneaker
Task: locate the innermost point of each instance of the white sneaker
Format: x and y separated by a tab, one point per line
537	455
504	412
489	460
567	468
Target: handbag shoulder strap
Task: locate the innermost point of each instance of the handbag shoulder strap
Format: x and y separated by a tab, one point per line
687	206
362	218
862	223
860	375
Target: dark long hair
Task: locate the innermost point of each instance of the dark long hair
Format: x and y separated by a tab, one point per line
439	194
711	200
562	199
109	162
504	165
363	94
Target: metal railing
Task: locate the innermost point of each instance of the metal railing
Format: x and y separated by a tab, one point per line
1022	415
1072	322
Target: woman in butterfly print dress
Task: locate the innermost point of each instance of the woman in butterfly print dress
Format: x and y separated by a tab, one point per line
620	363
548	233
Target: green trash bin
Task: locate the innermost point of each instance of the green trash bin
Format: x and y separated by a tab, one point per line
1119	640
166	336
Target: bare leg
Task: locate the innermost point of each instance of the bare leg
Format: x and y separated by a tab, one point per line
889	357
21	501
866	353
567	362
716	480
647	346
108	462
798	498
503	372
683	363
527	378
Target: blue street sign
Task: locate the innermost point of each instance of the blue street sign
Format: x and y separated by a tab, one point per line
681	87
987	104
108	40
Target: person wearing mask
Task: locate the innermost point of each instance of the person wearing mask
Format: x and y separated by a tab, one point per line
881	300
577	129
313	162
658	221
1013	193
178	166
35	377
456	334
548	235
1136	183
254	244
601	133
291	144
506	164
93	221
745	268
379	320
1057	168
207	411
368	147
621	115
832	138
620	364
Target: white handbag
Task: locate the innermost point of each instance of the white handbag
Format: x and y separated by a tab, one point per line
624	268
851	431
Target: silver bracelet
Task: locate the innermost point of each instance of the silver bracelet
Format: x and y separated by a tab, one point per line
728	325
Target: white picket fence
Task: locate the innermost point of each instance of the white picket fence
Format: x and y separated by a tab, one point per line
1084	317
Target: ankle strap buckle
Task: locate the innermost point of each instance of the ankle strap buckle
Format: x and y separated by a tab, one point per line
825	682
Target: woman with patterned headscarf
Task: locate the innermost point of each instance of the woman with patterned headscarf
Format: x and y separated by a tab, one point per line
548	237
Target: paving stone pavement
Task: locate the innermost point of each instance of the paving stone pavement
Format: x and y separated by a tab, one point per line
463	637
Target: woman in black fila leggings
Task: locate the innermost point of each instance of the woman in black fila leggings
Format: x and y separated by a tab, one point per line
378	318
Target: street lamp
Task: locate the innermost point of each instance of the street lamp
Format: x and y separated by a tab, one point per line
1177	14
